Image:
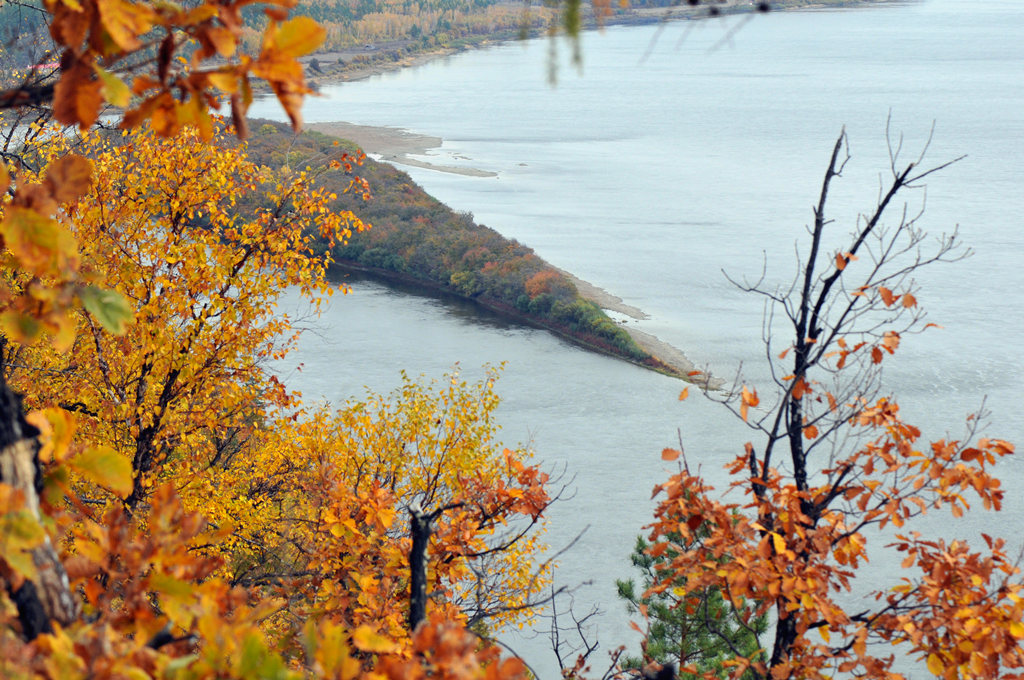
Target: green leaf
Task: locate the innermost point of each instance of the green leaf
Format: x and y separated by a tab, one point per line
108	307
104	466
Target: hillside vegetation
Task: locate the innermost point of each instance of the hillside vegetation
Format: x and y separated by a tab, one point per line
416	238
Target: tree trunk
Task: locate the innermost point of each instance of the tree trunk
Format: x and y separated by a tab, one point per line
49	597
419	526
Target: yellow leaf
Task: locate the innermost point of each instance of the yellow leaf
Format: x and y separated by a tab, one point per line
115	90
779	542
299	36
41	245
1017	629
56	427
20	328
124	22
223	41
104	466
935	665
226	82
366	640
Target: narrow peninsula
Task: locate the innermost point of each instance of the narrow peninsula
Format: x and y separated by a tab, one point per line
416	239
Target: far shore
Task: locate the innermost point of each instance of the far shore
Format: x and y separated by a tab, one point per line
358	62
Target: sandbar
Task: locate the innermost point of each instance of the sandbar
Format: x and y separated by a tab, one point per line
394	145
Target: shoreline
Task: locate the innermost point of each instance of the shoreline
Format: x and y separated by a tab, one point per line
372	59
397	146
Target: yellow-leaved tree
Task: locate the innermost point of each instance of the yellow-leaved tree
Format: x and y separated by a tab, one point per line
290	531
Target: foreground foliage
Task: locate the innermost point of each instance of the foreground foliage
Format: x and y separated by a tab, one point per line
836	467
207	525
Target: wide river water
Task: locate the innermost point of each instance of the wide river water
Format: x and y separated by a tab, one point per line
649	176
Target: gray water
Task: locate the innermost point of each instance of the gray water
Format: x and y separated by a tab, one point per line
648	177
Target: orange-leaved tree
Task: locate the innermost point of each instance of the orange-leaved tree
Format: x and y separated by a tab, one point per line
368	470
835	467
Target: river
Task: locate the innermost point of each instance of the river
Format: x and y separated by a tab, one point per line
649	176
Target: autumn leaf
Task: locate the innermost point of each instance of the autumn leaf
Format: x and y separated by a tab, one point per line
887	296
109	307
77	96
69	177
298	36
366	639
41	244
684	394
800	388
19	327
748	399
115	90
104	466
670	454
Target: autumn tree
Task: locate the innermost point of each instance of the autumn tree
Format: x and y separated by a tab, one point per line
137	306
834	466
298	516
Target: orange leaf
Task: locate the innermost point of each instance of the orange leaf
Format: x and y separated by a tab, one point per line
840	262
78	96
800	388
670	454
876	355
909	300
40	243
69	177
684	394
887	296
810	432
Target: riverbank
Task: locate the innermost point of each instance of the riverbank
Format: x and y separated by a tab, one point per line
330	67
399	146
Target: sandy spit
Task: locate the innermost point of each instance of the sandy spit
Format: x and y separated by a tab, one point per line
394	145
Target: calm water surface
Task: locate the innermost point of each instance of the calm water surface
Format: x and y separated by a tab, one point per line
649	177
